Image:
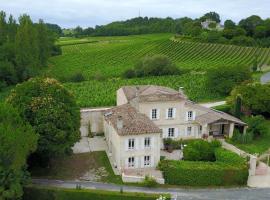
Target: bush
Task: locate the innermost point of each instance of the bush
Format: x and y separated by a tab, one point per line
257	126
157	65
224	108
149	182
201	150
43	193
242	138
229	169
224	78
78	77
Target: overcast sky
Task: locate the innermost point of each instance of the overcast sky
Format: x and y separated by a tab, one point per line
70	13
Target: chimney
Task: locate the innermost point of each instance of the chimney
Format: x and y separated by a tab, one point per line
119	122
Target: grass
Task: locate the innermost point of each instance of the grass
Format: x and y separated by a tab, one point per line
74	167
50	193
257	146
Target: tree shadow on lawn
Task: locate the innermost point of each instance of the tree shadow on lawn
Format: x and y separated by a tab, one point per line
94	166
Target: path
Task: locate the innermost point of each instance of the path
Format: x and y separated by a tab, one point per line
179	193
265	78
213	104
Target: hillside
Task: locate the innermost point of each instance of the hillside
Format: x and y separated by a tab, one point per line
102	60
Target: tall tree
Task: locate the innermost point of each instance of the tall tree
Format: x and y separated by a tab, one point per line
17	140
27	54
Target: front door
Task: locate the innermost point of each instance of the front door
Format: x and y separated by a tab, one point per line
222	127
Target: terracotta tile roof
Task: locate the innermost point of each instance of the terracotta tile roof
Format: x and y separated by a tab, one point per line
212	115
134	123
151	93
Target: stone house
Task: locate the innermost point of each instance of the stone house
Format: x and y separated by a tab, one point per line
144	115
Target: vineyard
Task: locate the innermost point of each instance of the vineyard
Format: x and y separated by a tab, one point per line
109	57
103	93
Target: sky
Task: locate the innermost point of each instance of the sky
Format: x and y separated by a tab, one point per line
86	13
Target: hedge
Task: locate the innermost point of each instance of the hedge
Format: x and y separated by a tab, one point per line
49	193
228	169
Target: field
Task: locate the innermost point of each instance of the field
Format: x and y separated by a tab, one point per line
102	60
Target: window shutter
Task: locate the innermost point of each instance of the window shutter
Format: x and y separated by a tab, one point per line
152	161
152	142
164	133
194	115
136	145
142	162
187	116
167	112
136	160
126	145
142	143
176	133
158	113
174	112
150	115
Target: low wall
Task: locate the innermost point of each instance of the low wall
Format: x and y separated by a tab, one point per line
94	116
138	179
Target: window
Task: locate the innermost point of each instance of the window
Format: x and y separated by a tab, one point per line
171	132
190	115
189	129
147	142
170	113
147	161
131	144
131	162
154	114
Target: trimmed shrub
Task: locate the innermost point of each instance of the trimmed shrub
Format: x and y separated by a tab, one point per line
43	193
229	169
149	182
201	150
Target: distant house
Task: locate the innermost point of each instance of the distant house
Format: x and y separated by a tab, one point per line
212	25
144	115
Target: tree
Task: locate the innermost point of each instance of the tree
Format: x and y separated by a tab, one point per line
212	16
27	51
224	78
229	24
53	113
238	107
18	140
250	23
255	98
243	41
44	42
156	65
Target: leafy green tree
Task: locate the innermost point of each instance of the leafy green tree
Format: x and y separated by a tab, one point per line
243	41
238	107
27	51
255	98
156	65
229	24
224	78
250	23
44	42
212	16
260	32
17	140
257	126
53	113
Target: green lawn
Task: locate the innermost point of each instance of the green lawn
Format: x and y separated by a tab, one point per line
258	146
49	193
77	166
